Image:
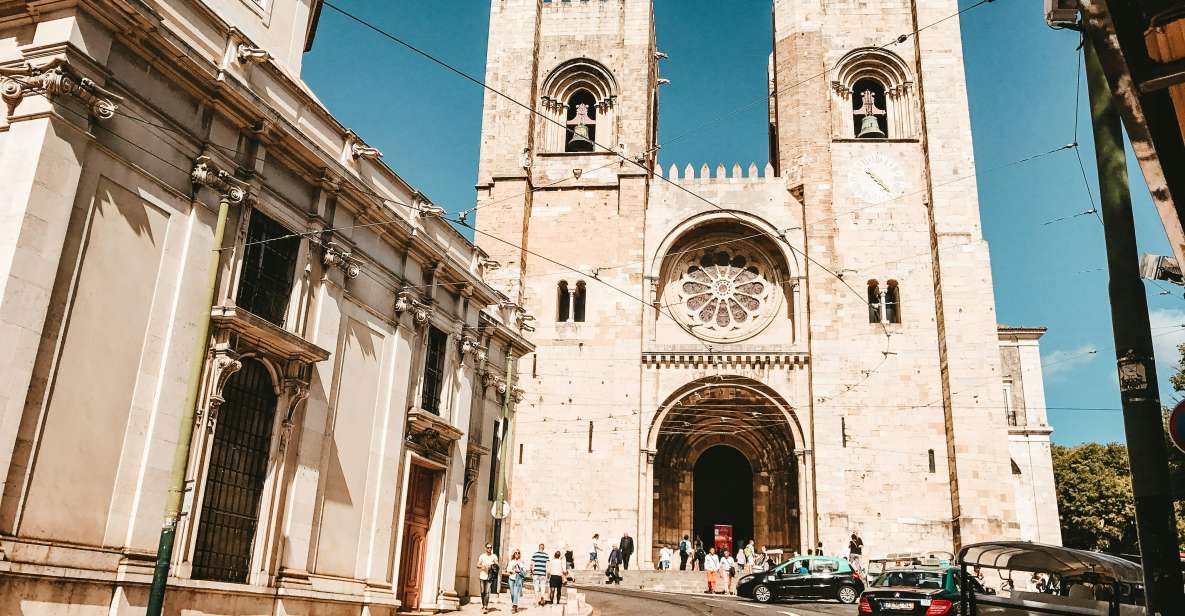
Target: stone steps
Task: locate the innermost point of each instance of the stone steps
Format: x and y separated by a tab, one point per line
666	581
573	604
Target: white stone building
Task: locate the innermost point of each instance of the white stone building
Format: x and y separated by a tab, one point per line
799	351
353	380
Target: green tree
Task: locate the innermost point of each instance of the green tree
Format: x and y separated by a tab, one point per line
1094	497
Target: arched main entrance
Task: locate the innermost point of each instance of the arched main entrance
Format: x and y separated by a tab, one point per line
725	453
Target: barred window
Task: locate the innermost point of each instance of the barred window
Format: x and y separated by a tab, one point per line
434	370
235	477
269	260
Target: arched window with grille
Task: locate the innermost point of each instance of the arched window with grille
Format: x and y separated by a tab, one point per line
235	476
578	302
874	302
563	302
893	302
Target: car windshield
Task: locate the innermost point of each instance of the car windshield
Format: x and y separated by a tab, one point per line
912	579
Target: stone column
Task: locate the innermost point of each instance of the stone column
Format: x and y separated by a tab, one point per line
40	166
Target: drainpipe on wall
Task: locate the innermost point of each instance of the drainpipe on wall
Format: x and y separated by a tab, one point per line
501	507
233	191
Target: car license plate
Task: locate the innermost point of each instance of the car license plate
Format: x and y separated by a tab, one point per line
897	605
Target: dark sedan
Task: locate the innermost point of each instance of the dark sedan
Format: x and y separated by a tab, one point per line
917	591
805	577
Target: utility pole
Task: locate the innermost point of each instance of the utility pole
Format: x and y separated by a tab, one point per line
1139	391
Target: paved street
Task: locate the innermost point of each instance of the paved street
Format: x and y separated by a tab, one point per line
629	602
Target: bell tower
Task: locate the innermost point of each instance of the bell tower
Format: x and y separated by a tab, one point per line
587	69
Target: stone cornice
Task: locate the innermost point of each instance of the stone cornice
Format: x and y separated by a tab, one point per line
724	359
275	340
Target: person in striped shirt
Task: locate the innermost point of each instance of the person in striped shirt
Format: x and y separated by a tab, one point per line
539	574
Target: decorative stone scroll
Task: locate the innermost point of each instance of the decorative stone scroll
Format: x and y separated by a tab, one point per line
225	364
333	255
430	435
489	379
207	173
472	469
358	148
296	390
467	342
408	301
247	54
55	78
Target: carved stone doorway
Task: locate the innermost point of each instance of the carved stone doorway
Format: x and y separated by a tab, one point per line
743	433
421	494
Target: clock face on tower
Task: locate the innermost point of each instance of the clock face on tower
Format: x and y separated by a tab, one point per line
876	178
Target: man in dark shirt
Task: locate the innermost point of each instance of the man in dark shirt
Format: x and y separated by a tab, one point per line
627	549
855	551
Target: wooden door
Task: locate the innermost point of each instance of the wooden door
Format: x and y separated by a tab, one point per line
421	491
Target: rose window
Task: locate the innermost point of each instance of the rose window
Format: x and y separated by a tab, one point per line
725	293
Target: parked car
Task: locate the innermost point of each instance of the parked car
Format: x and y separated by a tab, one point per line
920	590
813	577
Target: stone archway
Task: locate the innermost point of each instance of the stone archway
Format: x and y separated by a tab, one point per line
742	415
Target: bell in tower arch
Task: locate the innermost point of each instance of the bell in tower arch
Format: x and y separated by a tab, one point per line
870	126
581	131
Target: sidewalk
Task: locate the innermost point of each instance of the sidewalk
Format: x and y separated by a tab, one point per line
573	604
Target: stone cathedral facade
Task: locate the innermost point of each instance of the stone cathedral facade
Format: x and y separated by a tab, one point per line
797	351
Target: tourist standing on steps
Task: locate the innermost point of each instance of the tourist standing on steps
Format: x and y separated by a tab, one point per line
712	567
595	547
569	558
855	551
627	550
613	567
539	562
684	552
742	560
728	571
750	553
664	558
555	577
516	569
700	554
487	574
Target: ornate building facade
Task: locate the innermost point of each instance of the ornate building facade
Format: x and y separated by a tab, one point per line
797	351
352	391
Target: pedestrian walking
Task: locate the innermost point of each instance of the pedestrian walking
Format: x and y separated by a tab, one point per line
516	570
664	558
627	550
761	560
684	552
556	571
741	560
750	551
595	547
855	552
613	566
539	562
728	571
712	567
700	554
487	574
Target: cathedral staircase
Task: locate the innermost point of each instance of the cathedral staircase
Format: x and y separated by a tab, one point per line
671	580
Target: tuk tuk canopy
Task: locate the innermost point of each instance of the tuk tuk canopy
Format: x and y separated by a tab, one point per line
1042	558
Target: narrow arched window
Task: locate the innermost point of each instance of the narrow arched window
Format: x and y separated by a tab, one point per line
235	477
581	122
563	302
893	303
578	302
868	105
874	302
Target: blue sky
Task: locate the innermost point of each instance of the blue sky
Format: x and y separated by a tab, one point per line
1021	79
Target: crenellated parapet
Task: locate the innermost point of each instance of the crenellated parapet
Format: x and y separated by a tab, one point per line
732	175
